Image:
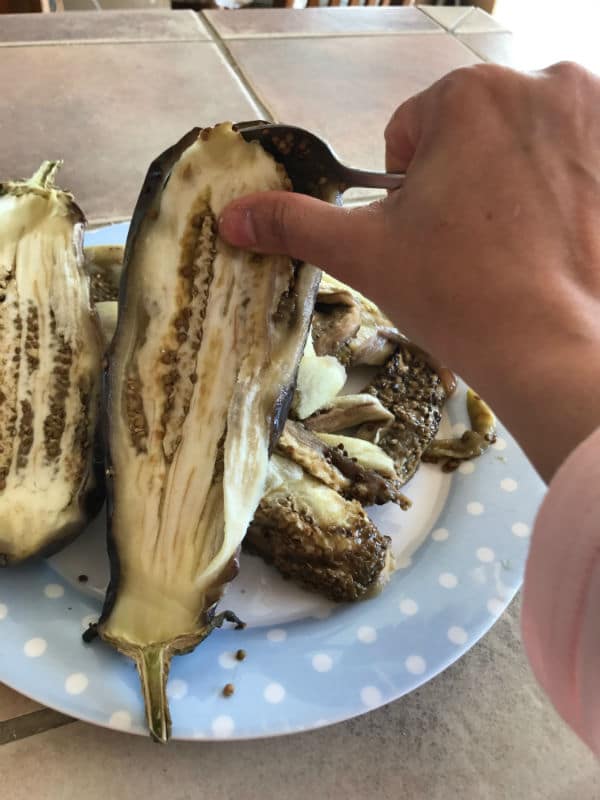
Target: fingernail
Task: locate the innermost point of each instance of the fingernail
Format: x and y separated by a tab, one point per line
236	226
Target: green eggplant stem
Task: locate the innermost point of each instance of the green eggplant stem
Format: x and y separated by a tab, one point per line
153	664
44	176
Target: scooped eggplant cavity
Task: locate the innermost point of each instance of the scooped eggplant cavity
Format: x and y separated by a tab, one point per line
50	366
201	373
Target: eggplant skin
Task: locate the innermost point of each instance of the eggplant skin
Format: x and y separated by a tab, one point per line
317	538
412	390
200	375
51	472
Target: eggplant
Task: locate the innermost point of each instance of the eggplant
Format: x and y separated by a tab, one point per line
316	537
104	264
51	481
201	373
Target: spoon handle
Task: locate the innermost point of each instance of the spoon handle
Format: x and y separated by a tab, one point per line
371	180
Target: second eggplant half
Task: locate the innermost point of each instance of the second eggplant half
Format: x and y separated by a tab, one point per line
201	372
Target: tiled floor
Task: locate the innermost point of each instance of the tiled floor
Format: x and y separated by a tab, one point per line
108	110
313	83
85	26
13	704
320	22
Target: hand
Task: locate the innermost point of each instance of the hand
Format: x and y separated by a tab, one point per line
489	257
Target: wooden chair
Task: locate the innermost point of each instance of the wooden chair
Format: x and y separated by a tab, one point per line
331	3
27	6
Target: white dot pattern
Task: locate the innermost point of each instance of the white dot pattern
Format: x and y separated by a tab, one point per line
76	683
121	720
485	527
176	689
222	726
409	606
274	693
448	580
475	508
521	530
228	660
322	662
366	634
34	648
416	665
485	554
54	590
467	468
371	696
495	606
457	635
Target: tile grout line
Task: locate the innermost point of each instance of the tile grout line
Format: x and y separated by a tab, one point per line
461	19
470	49
82	42
32	724
249	37
231	62
474	51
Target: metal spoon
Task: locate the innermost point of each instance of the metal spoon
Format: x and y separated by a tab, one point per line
310	162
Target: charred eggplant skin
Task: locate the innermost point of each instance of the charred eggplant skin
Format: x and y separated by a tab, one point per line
39	352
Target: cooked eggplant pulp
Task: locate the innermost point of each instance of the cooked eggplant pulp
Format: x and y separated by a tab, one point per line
201	372
49	370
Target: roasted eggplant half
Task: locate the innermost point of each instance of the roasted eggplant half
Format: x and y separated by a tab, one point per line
50	367
201	374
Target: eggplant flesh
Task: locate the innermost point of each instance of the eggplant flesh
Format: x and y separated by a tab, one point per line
201	373
50	368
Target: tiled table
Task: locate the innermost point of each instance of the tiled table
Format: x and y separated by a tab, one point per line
109	91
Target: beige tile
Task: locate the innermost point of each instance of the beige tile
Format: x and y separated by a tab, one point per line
480	731
347	21
152	4
13	704
477	21
81	5
446	16
346	92
107	26
532	52
108	110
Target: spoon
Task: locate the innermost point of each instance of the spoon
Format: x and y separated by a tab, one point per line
310	163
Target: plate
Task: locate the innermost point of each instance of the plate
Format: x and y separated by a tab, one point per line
460	552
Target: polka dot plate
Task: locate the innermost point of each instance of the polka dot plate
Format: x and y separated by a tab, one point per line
460	552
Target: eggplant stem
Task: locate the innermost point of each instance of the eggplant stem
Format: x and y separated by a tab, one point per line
44	176
153	664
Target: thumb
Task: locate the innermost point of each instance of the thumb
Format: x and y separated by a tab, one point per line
337	239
